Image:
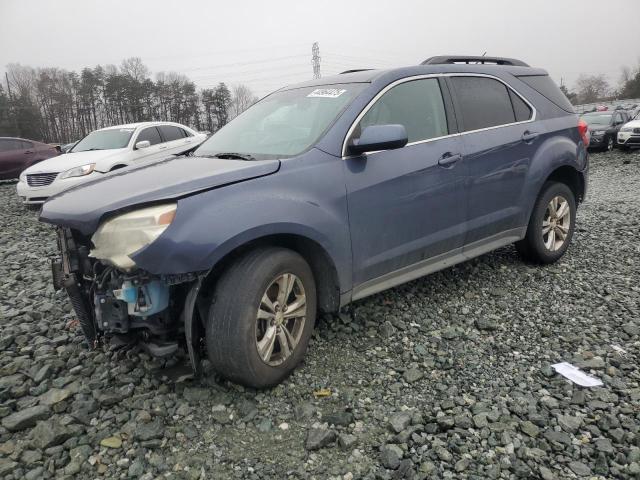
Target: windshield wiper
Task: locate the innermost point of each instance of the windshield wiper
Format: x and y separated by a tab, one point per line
232	156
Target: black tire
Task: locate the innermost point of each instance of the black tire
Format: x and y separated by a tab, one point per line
610	145
532	247
232	324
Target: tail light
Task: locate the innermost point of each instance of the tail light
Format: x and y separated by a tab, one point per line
583	129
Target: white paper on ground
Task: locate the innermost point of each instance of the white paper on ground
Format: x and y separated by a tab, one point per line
576	375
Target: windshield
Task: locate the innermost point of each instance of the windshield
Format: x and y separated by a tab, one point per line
104	140
283	124
597	119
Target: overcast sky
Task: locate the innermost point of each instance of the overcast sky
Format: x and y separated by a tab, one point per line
266	44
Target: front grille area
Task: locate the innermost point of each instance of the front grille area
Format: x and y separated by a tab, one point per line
41	179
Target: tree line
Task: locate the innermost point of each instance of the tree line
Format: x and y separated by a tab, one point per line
59	106
596	88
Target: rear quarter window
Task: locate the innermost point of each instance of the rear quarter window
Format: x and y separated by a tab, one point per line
545	86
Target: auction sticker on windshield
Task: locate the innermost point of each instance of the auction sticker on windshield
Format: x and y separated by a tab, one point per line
326	92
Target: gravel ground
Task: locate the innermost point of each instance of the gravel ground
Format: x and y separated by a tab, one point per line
445	377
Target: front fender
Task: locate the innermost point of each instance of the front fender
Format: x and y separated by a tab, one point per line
306	198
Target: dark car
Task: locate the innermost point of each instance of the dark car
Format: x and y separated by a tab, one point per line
17	154
320	194
604	127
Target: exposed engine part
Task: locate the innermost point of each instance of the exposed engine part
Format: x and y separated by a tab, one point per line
143	299
111	313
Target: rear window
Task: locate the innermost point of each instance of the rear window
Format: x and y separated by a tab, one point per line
548	89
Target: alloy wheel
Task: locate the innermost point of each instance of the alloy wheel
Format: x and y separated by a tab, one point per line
610	144
556	223
280	320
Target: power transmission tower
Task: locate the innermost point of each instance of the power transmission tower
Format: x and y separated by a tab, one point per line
315	60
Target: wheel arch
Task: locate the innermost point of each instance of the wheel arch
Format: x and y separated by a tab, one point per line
571	177
322	265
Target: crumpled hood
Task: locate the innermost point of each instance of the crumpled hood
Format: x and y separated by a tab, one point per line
71	160
82	207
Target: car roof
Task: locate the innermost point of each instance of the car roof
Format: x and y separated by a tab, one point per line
141	124
372	75
603	112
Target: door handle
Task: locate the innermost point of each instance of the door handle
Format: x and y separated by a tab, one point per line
162	148
449	159
528	136
28	151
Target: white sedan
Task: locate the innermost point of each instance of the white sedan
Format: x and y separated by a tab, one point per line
104	151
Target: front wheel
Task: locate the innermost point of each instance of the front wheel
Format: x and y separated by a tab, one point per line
610	144
551	225
262	317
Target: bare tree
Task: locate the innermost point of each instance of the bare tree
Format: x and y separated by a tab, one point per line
591	88
241	98
134	68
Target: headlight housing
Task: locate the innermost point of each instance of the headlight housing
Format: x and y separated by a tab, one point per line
119	237
626	129
80	171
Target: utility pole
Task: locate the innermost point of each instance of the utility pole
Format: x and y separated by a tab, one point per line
315	60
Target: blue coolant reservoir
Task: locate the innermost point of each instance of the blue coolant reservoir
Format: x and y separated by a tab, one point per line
144	300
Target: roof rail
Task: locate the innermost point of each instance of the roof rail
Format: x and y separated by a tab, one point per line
356	70
449	59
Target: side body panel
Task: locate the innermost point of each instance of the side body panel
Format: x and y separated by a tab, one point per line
404	207
306	197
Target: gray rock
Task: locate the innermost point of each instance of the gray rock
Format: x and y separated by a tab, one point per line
49	433
390	456
413	375
399	421
347	441
7	466
149	431
580	469
604	445
529	428
136	469
26	418
569	424
444	454
340	419
318	438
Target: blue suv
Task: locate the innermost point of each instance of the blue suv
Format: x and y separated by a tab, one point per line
320	194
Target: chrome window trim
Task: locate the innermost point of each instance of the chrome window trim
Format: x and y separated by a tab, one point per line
534	111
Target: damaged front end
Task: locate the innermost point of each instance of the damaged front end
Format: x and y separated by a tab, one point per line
112	298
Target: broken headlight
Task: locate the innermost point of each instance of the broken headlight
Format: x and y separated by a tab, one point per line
119	237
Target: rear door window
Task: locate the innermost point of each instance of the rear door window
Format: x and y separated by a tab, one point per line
170	133
484	102
416	104
151	134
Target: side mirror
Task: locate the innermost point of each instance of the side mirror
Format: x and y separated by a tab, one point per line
379	137
143	144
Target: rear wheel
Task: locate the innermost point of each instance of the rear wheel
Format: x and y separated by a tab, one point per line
551	225
262	317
